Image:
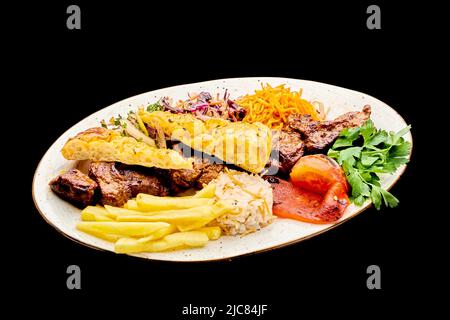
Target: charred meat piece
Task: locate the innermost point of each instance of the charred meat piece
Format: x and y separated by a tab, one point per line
113	190
290	148
209	173
118	183
75	187
185	178
202	173
143	180
320	135
287	149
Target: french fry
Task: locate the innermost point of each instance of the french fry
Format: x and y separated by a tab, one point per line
116	211
86	216
150	224
197	224
158	234
197	212
171	241
130	245
153	203
181	216
131	229
91	213
146	195
184	219
219	209
213	233
207	192
190	238
132	205
105	236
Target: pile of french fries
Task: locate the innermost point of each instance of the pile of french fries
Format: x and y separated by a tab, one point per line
152	224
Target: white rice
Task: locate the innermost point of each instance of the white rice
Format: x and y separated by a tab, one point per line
251	195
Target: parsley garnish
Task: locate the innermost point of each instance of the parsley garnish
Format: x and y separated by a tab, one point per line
157	106
364	153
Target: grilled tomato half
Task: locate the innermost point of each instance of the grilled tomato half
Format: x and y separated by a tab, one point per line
316	192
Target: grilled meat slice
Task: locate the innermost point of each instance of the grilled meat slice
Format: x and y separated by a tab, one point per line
320	135
185	178
287	149
202	173
143	180
209	173
118	182
75	187
113	190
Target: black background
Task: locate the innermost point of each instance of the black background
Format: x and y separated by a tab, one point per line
125	49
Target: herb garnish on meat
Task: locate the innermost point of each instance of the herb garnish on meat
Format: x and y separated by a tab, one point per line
365	152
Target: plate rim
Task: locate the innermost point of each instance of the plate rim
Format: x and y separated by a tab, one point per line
365	207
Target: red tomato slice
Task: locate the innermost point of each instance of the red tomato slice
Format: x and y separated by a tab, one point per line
317	173
294	203
316	192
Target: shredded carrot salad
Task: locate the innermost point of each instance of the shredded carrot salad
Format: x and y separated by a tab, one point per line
273	105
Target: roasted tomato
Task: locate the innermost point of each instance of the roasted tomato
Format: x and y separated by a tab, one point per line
316	193
317	173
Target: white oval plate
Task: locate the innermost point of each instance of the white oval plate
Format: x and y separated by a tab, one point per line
63	216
